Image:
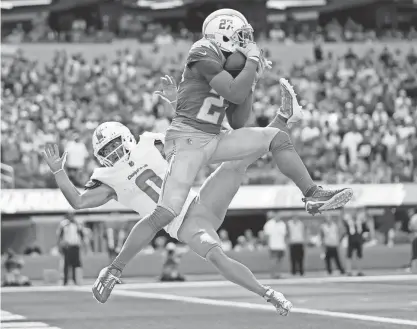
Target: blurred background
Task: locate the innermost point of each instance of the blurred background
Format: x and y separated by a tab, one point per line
68	66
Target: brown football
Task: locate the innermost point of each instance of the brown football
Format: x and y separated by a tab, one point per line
235	63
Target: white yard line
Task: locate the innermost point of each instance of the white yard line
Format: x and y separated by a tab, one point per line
121	291
24	325
208	284
261	307
7	316
9	321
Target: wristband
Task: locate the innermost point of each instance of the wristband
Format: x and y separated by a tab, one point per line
54	173
254	58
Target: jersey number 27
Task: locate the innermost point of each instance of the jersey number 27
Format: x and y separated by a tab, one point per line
144	180
212	108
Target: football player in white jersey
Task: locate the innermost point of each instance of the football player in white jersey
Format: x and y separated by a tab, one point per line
132	174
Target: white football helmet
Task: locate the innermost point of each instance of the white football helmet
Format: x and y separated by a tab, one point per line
112	142
228	29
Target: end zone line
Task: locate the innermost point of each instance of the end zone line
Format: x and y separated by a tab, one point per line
283	282
260	307
222	283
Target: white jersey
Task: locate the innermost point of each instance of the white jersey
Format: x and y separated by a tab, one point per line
138	181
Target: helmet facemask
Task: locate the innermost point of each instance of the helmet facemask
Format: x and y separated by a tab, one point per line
243	36
113	152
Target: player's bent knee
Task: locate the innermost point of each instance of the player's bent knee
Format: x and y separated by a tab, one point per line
216	256
281	141
160	218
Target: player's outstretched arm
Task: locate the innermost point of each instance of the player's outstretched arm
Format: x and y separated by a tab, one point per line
93	197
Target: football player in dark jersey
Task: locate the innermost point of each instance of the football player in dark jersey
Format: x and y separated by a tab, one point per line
195	138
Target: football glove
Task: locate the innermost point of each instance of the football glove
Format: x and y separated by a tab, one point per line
251	50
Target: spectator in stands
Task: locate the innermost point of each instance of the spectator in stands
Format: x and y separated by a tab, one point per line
250	239
32	250
261	240
170	269
388	226
87	239
296	239
160	243
164	38
13	266
276	231
76	159
356	230
242	244
412	226
70	239
359	112
226	244
330	240
111	241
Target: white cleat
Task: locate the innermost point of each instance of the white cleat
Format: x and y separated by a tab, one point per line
289	103
105	283
277	299
323	200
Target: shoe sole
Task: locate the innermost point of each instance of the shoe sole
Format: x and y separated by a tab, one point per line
296	106
337	201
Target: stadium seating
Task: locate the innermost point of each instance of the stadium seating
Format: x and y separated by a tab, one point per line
359	125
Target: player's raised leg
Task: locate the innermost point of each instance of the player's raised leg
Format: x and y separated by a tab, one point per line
206	215
247	141
200	226
316	199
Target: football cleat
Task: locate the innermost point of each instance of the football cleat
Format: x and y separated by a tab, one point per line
323	200
277	299
289	103
105	283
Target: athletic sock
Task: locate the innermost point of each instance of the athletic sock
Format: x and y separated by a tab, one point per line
287	158
305	184
291	165
141	235
279	122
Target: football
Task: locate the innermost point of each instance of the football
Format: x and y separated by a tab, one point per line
235	63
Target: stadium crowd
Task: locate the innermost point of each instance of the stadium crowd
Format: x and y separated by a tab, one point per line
130	26
359	123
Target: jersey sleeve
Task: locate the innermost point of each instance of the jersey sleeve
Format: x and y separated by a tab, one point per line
95	179
204	50
92	184
208	69
158	138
